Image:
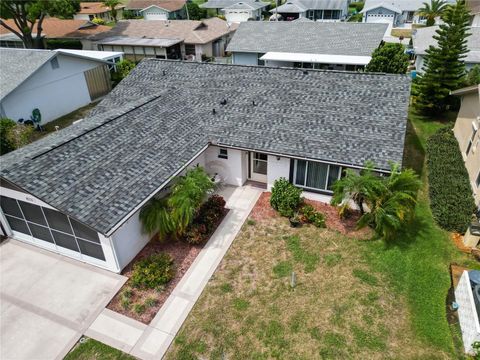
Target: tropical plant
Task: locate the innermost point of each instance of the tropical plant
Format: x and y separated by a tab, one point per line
444	69
389	58
432	10
390	200
29	15
354	186
174	214
195	12
473	76
112	4
122	69
285	198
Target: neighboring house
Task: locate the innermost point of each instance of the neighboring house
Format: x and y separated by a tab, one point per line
79	191
423	38
317	10
158	9
474	8
236	11
307	44
56	83
171	39
97	10
56	29
467	132
397	13
110	57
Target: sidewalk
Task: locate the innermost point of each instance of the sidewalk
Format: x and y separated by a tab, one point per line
152	341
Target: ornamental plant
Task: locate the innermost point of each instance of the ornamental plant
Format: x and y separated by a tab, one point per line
286	198
153	271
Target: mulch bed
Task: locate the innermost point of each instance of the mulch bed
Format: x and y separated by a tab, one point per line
263	210
183	255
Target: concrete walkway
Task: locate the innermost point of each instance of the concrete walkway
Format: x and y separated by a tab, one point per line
152	341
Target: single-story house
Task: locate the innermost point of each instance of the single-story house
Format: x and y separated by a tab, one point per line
397	13
317	10
79	191
307	44
247	10
422	39
97	10
467	132
158	9
54	82
56	29
167	39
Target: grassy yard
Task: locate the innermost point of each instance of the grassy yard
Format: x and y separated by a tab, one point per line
353	299
93	350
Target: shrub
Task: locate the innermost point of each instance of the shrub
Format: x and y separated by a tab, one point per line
13	135
286	198
358	5
451	198
210	212
312	216
98	21
157	269
123	68
196	234
139	309
125	302
150	302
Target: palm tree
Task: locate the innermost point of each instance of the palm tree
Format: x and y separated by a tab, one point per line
112	4
432	11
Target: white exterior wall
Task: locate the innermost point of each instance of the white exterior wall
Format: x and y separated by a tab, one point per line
467	313
233	171
238	16
277	169
81	17
242	58
55	92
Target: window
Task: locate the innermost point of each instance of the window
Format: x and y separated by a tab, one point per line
189	49
54	63
260	62
316	175
223	153
58	221
260	163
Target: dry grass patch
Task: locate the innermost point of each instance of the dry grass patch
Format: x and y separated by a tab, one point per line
338	309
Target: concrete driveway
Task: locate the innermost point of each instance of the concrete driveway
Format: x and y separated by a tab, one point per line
47	301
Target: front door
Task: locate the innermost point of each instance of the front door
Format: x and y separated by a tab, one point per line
258	167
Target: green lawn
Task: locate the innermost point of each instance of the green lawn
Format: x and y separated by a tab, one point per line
91	349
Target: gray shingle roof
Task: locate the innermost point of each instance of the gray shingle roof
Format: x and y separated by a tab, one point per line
18	65
335	38
152	124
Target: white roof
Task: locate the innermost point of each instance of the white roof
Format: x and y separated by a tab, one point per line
317	58
100	55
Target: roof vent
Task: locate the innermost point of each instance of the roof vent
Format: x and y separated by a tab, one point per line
223	102
253	103
213	111
305	72
164	73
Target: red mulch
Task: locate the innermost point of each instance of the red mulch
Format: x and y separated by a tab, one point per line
263	210
183	254
457	240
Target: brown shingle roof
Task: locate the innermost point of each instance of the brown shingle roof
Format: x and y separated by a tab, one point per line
95	8
59	28
191	31
170	5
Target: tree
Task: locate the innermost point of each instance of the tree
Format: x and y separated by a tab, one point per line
444	69
389	58
432	11
173	215
13	135
195	12
122	69
473	76
112	4
28	16
390	200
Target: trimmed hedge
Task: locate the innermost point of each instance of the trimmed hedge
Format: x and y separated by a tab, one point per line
451	198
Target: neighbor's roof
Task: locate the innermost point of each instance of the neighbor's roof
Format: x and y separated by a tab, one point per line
95	8
467	90
191	31
19	64
220	4
170	5
294	6
131	41
59	28
473	6
160	117
334	38
398	5
423	38
248	5
93	54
